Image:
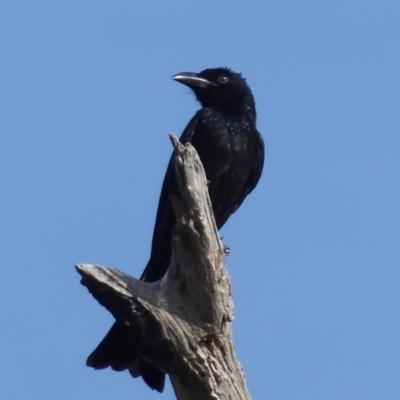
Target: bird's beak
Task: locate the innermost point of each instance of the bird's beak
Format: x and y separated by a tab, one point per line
192	80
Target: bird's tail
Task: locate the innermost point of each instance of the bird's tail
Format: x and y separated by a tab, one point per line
113	351
116	352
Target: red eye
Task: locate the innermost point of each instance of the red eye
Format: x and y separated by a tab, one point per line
223	79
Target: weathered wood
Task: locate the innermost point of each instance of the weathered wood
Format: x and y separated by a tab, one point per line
183	322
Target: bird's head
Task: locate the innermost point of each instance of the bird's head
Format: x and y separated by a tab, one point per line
220	88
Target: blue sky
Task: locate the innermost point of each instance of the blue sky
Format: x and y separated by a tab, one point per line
86	105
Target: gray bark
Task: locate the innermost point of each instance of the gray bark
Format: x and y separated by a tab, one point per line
182	323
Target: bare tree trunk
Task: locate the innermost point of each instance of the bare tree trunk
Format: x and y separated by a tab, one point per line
182	323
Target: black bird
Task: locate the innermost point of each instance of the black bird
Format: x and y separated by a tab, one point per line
231	149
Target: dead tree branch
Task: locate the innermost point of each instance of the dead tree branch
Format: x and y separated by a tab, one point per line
182	323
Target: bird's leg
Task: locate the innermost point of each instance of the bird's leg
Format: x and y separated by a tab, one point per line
226	249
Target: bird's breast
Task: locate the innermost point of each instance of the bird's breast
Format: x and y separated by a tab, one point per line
225	144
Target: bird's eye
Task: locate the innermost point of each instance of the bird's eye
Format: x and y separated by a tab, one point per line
223	79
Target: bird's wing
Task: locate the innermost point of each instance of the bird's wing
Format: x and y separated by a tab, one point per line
165	217
259	154
169	179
